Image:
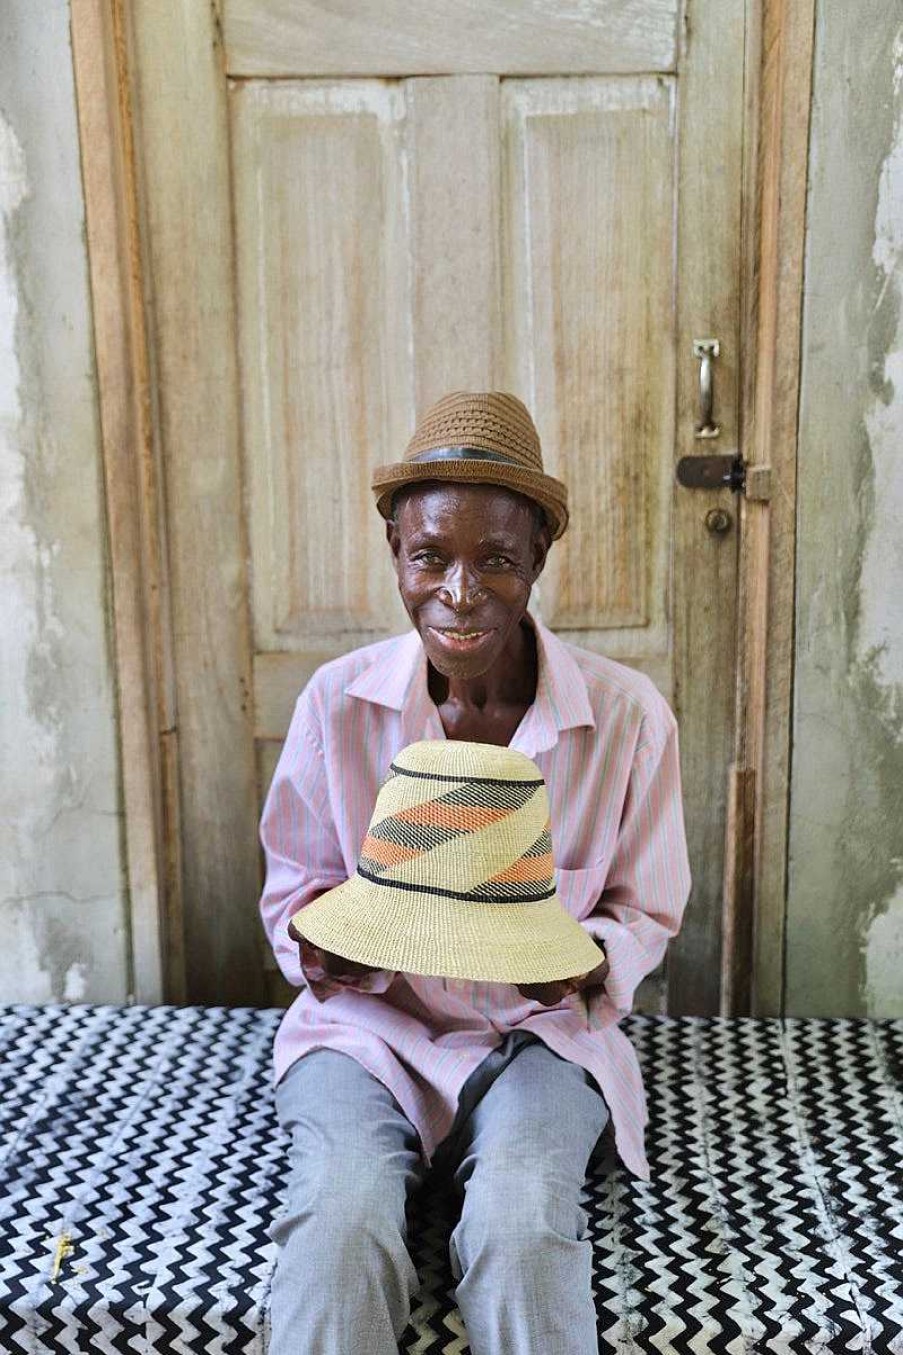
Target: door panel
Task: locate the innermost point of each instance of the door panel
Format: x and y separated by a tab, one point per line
590	304
398	37
324	331
454	151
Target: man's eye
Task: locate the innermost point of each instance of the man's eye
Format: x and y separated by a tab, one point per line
428	557
497	561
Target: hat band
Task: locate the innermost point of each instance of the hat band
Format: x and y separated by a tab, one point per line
465	454
471	897
460	780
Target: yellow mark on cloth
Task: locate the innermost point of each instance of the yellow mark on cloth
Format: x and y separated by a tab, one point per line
64	1247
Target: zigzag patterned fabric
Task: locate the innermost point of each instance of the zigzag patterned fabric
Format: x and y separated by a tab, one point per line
146	1138
459	809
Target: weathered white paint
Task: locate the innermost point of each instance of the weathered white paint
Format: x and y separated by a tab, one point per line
20	570
881	614
884	959
13	189
62	894
881	588
75	987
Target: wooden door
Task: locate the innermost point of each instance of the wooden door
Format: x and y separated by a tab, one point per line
347	211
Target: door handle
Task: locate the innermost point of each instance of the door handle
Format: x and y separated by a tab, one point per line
706	350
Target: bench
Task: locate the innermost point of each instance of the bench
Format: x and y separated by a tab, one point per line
142	1162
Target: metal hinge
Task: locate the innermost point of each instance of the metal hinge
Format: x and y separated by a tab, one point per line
732	472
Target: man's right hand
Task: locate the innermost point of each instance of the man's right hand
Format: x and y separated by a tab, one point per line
335	966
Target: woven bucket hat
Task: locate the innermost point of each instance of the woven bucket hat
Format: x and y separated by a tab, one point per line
476	438
455	875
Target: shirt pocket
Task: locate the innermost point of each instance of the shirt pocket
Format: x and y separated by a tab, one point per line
580	890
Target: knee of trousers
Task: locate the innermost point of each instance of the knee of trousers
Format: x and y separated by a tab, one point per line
343	1209
514	1219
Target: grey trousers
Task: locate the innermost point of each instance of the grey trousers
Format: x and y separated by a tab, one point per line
525	1130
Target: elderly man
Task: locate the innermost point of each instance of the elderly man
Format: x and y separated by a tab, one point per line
378	1074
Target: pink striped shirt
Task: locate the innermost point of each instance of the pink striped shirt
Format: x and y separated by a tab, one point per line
607	744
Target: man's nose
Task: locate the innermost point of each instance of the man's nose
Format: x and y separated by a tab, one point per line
461	588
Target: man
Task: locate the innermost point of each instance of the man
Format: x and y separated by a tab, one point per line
380	1073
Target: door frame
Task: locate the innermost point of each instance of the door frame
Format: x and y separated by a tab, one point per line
154	652
780	45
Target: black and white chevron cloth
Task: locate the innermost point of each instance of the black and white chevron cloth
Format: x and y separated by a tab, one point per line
142	1164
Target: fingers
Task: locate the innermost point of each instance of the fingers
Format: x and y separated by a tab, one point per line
337	967
311	956
549	994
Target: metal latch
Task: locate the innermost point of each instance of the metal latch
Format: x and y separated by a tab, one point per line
731	472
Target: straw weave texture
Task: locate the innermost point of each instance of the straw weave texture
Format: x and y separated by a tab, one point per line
493	422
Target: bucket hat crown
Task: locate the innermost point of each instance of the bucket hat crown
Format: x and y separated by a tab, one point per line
476	437
455	876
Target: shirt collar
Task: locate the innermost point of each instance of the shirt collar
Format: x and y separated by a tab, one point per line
398	680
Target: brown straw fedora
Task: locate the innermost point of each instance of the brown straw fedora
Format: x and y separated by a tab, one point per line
476	438
455	876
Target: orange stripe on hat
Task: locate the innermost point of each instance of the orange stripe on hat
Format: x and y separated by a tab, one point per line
465	818
387	853
528	868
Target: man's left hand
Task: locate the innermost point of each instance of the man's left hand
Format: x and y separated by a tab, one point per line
550	994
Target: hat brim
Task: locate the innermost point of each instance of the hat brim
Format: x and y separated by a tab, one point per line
390	928
549	493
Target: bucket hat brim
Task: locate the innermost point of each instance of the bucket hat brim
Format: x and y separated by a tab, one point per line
416	933
549	493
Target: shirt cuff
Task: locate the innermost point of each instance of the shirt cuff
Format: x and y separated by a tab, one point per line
629	960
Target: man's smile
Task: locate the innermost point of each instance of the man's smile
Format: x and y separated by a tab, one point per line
458	639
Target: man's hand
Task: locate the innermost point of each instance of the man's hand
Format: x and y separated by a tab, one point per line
336	966
550	994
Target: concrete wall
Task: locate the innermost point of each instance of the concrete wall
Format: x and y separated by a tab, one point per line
845	912
63	917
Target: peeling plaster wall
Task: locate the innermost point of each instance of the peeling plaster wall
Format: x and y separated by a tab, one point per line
845	905
63	918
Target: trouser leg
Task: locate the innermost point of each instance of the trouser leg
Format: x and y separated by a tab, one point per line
521	1250
344	1279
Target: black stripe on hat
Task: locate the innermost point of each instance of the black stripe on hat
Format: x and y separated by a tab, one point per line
456	894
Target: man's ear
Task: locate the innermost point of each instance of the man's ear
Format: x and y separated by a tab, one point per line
393	537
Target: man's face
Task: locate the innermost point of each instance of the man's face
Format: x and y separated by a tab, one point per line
466	557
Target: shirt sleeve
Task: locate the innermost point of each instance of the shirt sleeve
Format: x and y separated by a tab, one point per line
303	856
648	883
